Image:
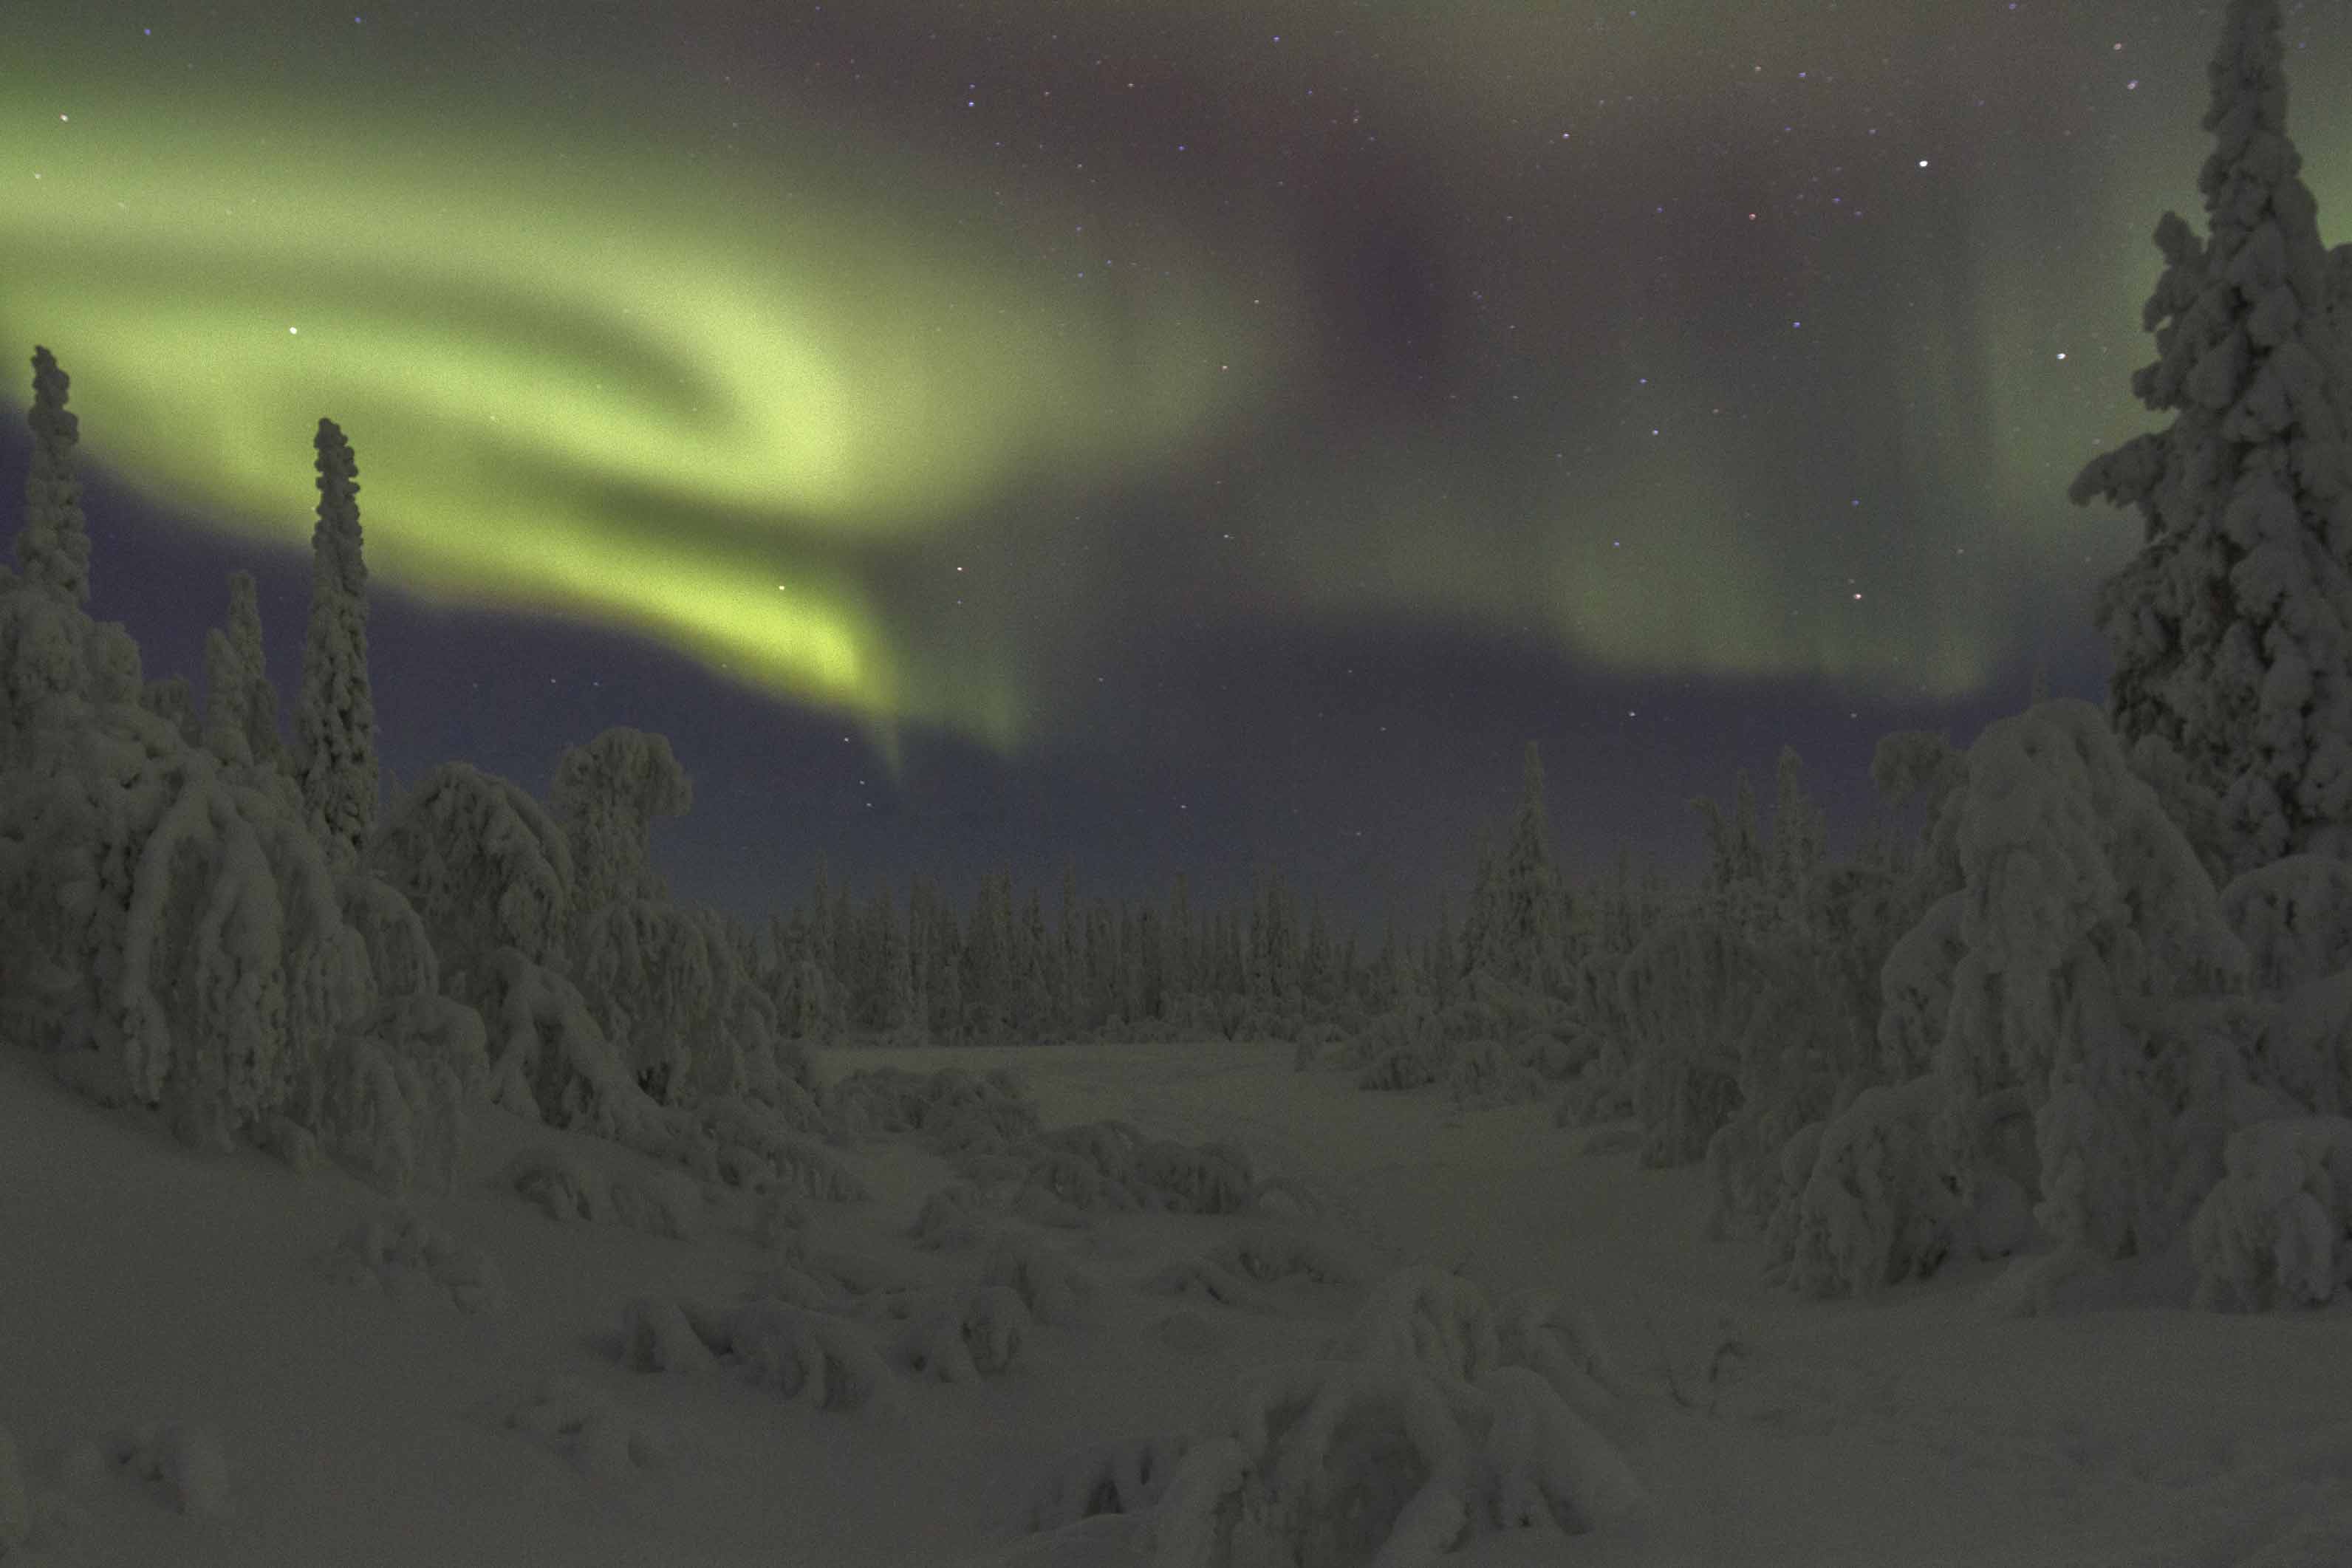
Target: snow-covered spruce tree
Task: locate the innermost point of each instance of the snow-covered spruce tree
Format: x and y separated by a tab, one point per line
334	724
51	654
52	544
1519	942
2232	627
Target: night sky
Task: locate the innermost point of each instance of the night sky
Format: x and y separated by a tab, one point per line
1155	436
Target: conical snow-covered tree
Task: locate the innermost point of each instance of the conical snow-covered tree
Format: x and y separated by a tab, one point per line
53	544
2231	628
1520	939
335	727
240	722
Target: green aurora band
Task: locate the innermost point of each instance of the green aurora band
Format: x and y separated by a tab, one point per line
605	382
597	363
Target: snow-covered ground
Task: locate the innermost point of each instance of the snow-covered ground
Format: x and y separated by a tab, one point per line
389	1400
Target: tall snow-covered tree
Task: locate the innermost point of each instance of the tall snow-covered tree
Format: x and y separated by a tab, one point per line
2232	627
606	795
1519	939
334	721
52	544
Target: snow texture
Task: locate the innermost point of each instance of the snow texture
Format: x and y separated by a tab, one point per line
587	1429
1124	1476
185	1463
15	1498
408	1257
1054	1290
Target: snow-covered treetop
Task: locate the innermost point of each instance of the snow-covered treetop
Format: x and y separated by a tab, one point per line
53	544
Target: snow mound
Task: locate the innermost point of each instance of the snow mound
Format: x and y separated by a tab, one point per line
950	1219
812	1358
1244	1271
1110	1166
567	1188
961	1341
1053	1289
954	1111
1199	1279
1126	1475
1432	1419
2277	1230
582	1424
658	1336
406	1256
738	1144
182	1462
1385	1463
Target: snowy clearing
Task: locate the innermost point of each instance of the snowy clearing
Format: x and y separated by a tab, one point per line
364	1424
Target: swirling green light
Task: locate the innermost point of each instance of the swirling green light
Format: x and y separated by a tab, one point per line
584	375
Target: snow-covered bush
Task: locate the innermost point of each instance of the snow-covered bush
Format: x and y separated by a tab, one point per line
957	1114
1488	1072
812	1358
1434	1418
1273	1254
565	1187
2277	1229
1054	1290
1872	1209
404	1255
740	1143
1401	1050
1331	1462
963	1338
549	1062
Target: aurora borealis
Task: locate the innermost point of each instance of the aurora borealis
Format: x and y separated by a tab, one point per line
1034	382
